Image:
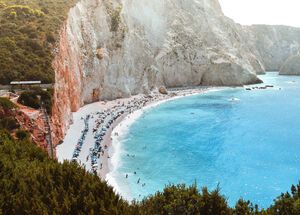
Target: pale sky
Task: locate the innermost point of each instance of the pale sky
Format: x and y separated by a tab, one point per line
275	12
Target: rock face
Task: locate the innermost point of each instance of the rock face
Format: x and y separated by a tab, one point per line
273	45
117	48
291	66
68	86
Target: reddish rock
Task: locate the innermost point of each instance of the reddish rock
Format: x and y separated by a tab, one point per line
67	88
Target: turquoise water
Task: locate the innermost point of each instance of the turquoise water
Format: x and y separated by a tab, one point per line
249	146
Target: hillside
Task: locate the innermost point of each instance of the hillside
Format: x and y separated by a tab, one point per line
28	32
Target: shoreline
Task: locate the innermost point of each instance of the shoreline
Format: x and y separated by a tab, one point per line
123	124
98	151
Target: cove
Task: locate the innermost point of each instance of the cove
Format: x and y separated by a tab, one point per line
247	142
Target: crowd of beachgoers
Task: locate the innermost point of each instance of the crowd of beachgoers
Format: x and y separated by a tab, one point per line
104	120
100	124
82	138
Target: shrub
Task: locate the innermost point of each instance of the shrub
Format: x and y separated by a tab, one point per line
181	199
37	98
9	123
30	99
22	134
6	103
23	11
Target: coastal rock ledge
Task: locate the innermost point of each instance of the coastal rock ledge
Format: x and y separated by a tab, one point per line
114	49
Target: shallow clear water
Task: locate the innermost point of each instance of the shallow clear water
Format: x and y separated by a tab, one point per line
249	146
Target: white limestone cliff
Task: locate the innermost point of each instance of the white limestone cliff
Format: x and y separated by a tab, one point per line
117	48
291	66
273	45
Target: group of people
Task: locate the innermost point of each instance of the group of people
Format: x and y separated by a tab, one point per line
104	122
82	138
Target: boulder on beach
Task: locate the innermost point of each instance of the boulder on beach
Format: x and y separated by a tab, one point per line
163	90
291	66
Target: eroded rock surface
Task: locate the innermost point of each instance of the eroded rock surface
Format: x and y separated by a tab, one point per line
273	45
118	48
291	66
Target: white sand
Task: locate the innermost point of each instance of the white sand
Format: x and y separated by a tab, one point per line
111	156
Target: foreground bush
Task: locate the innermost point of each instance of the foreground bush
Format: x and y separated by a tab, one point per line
31	183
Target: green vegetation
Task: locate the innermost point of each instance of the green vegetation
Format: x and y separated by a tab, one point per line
185	200
7	119
9	123
37	98
30	99
28	32
32	183
6	103
22	134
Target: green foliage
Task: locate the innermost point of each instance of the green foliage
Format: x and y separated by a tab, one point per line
6	103
9	123
245	208
36	98
287	203
185	200
31	183
22	12
30	99
28	31
22	134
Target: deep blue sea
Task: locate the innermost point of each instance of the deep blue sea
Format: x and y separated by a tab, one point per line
248	142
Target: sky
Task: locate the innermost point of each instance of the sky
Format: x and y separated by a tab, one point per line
274	12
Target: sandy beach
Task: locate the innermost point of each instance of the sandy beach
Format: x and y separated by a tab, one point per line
93	137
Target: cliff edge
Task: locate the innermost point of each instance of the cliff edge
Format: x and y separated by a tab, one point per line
112	49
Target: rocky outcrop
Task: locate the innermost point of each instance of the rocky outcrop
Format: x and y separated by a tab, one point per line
109	50
273	45
68	85
291	66
175	43
163	90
